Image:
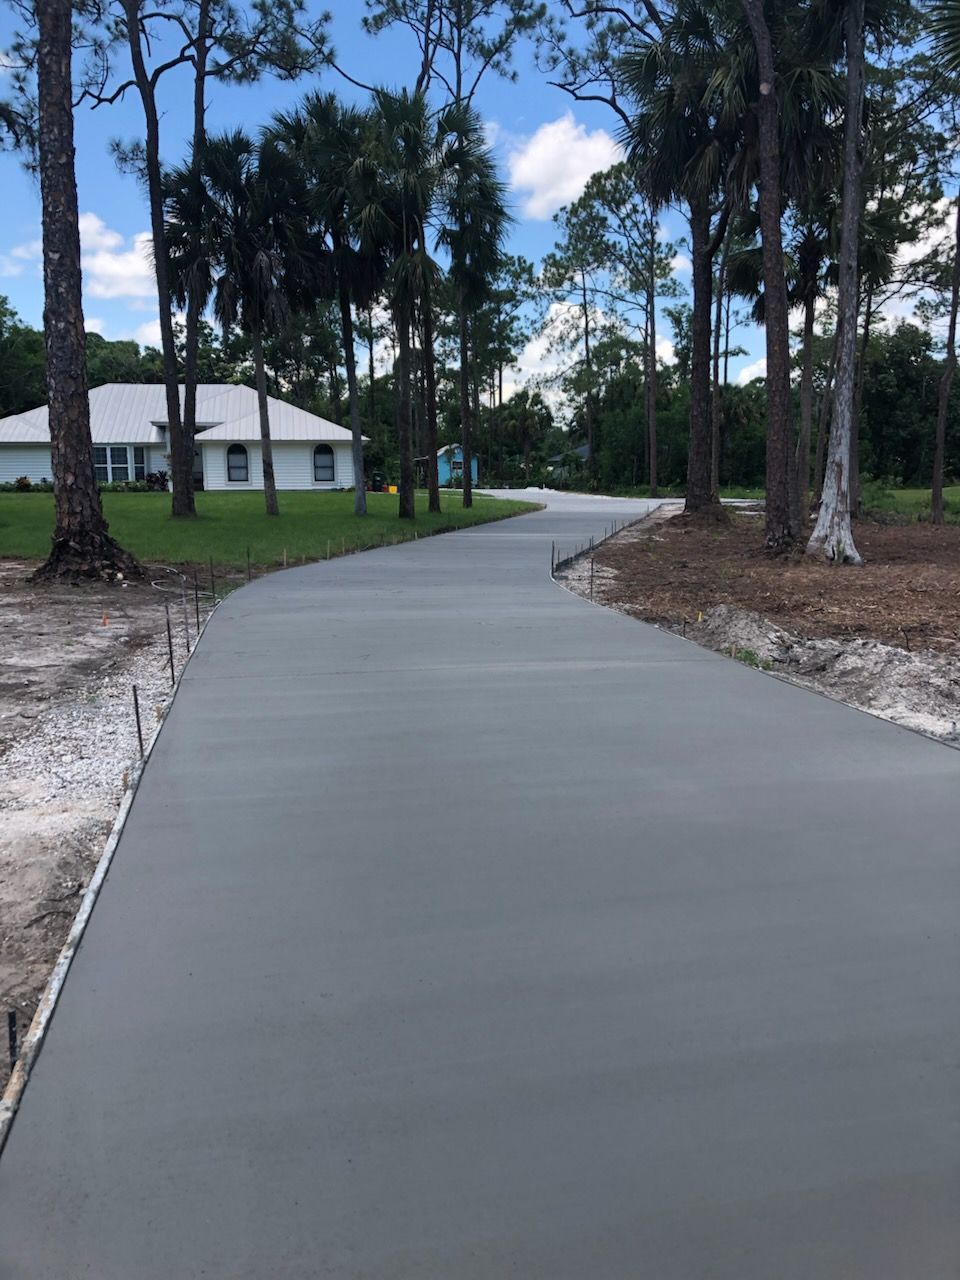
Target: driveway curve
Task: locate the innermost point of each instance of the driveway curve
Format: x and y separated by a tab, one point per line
462	930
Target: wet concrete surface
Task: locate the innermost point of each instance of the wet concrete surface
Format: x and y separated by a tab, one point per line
464	930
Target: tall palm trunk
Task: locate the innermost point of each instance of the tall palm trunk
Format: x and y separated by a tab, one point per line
700	495
404	420
466	412
266	444
780	526
832	538
802	459
430	379
81	546
181	456
353	397
943	393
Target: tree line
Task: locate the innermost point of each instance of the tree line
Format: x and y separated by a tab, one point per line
806	143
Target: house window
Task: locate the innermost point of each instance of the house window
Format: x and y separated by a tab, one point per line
237	467
457	466
111	463
139	462
119	462
323	463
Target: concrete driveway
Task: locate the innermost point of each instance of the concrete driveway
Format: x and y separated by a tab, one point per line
463	930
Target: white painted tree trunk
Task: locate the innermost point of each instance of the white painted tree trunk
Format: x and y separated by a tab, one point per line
832	538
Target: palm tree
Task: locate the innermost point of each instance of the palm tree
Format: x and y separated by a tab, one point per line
682	146
476	221
398	178
82	547
806	258
944	24
186	226
265	265
327	139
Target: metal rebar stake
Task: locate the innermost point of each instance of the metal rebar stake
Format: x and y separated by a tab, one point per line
136	712
173	674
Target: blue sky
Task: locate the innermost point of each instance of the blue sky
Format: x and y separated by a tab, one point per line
548	146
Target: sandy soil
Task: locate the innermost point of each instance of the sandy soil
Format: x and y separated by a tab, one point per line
885	638
68	746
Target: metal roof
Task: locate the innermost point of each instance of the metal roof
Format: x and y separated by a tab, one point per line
136	413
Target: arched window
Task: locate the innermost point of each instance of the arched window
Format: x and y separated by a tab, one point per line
323	463
238	468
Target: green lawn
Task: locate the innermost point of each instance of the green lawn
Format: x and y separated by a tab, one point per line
911	502
311	526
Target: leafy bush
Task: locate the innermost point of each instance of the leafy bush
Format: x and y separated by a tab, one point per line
158	480
17	486
125	486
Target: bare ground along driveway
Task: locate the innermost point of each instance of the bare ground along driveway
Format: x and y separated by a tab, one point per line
463	930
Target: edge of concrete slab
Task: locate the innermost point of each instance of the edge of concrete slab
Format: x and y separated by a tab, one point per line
782	676
37	1031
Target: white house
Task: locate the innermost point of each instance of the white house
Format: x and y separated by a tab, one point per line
128	423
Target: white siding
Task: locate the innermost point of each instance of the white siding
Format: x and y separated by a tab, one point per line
292	466
157	458
31	460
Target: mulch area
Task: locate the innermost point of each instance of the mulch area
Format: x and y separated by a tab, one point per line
907	593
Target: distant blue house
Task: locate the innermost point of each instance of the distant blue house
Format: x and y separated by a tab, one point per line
449	466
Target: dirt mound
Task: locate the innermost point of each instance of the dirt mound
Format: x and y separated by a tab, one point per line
884	638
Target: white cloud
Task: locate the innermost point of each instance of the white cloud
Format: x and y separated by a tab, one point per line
96	235
756	370
681	264
492	132
554	164
148	335
665	351
93	324
113	271
21	257
936	237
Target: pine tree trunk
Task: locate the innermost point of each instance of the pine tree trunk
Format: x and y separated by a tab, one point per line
780	527
181	454
588	370
715	398
652	359
832	538
858	407
353	396
266	445
195	303
465	409
700	495
430	377
371	371
404	421
943	393
82	547
823	420
802	459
